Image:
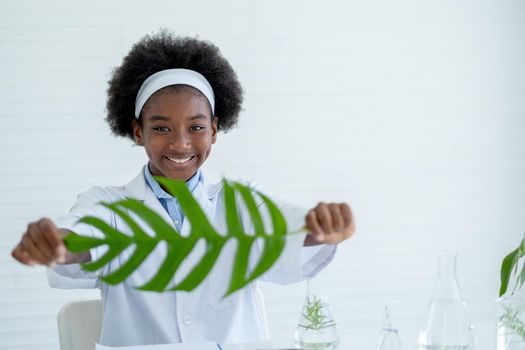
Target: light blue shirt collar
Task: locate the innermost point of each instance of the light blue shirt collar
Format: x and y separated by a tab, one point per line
157	189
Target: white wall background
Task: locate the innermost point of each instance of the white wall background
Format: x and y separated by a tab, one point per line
412	112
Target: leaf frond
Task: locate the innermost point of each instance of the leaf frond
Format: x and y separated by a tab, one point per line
203	267
163	230
179	247
507	266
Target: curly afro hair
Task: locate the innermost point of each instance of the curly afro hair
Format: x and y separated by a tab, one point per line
165	50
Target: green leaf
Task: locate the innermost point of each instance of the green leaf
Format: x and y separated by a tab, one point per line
76	243
278	221
202	269
199	222
112	234
124	271
506	270
510	266
240	265
118	242
112	253
179	247
522	248
521	277
138	232
274	243
162	228
233	222
244	242
273	247
249	200
176	253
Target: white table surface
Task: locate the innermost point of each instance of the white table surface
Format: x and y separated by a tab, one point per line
485	339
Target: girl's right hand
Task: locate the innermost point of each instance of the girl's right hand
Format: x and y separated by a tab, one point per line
41	244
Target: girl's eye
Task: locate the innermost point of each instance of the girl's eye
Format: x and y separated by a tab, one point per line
161	128
197	128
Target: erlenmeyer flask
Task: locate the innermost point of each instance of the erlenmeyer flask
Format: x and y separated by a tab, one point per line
448	326
511	322
389	337
316	328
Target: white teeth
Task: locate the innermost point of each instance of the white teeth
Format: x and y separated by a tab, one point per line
179	161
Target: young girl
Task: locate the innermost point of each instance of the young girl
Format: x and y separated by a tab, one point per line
172	95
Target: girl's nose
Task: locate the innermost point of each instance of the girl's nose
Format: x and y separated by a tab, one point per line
180	142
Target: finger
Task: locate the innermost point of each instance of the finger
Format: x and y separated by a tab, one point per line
312	224
20	255
53	237
335	238
33	250
39	241
349	219
324	217
337	217
348	227
43	245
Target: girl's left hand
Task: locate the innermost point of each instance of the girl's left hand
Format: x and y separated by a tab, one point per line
329	223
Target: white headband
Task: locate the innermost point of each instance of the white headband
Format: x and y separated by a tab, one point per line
169	77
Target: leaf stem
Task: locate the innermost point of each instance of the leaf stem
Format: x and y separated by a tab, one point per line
296	232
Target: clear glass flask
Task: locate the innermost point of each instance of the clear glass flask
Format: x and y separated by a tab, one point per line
389	336
448	326
316	328
511	323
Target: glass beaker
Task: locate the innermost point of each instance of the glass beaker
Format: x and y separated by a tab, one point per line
448	326
316	328
511	323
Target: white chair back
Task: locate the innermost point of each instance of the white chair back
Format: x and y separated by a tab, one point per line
79	324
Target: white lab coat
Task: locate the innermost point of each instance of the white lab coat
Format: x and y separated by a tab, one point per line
133	317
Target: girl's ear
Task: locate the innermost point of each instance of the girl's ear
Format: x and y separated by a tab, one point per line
137	132
214	128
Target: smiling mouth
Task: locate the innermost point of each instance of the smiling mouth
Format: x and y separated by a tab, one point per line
179	160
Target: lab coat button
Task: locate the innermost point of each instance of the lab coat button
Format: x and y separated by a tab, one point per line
187	320
177	222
